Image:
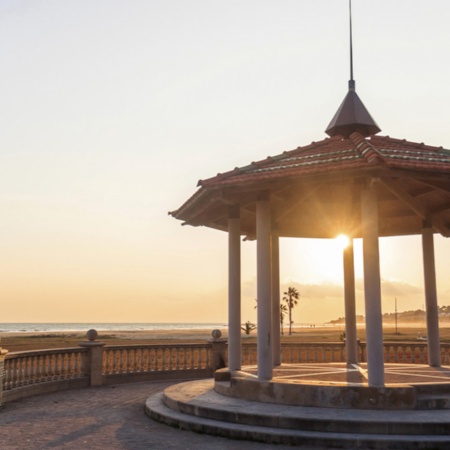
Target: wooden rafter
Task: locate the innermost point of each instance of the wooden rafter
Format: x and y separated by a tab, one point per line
416	206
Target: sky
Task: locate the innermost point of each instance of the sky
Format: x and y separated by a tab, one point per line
111	111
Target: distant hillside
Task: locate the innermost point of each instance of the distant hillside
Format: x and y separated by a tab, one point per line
405	316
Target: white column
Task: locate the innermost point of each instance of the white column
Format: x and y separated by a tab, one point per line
234	289
434	350
351	343
264	289
372	287
276	330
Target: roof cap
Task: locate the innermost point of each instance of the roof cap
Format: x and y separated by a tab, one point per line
352	116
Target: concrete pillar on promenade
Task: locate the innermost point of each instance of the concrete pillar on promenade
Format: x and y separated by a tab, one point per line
264	287
95	357
234	289
372	287
3	353
218	349
276	330
432	311
351	342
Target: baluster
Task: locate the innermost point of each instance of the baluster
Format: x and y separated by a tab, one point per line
58	366
81	365
107	355
316	359
171	359
70	359
177	358
78	365
52	367
42	368
133	357
417	355
106	361
137	360
9	370
14	373
129	361
192	359
21	374
7	379
156	353
395	353
65	365
405	358
31	375
421	355
201	358
25	370
120	362
112	361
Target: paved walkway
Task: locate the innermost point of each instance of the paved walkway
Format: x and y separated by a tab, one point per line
107	418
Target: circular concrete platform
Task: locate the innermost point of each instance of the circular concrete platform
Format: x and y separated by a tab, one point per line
338	385
197	406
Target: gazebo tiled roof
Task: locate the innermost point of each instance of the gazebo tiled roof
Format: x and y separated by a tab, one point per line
315	189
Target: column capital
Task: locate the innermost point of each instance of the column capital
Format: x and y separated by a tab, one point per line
234	211
263	196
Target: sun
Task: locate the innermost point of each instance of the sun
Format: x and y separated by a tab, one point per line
342	241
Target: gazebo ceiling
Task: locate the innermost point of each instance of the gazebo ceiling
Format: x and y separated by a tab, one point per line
315	190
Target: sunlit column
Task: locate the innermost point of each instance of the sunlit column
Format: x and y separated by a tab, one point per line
351	343
276	330
372	287
434	350
234	289
264	289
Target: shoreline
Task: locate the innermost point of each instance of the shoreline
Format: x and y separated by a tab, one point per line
32	340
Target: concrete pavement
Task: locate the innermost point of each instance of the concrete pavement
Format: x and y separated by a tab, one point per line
106	417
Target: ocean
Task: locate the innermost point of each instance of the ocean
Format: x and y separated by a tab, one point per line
51	327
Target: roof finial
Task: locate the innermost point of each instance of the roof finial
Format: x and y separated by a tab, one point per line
351	83
352	115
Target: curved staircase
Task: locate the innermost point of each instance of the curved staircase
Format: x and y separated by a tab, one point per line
198	407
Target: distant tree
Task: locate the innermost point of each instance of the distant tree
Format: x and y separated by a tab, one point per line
291	297
283	311
248	327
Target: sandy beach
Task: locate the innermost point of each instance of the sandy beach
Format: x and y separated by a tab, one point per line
22	341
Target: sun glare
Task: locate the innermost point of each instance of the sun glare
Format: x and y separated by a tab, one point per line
342	241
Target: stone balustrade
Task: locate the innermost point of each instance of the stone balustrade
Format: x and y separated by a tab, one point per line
34	372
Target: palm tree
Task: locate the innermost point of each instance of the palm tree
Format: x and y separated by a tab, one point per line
248	327
291	297
283	311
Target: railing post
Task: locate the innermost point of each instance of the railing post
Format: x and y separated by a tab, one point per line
2	372
94	359
218	347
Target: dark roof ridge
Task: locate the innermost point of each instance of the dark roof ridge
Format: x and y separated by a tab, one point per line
366	149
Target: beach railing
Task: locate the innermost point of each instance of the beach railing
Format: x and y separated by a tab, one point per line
43	371
38	371
312	352
153	362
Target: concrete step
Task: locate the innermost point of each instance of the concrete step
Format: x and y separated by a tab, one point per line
431	402
157	410
199	399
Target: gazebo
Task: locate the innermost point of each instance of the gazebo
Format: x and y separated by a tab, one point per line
355	183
